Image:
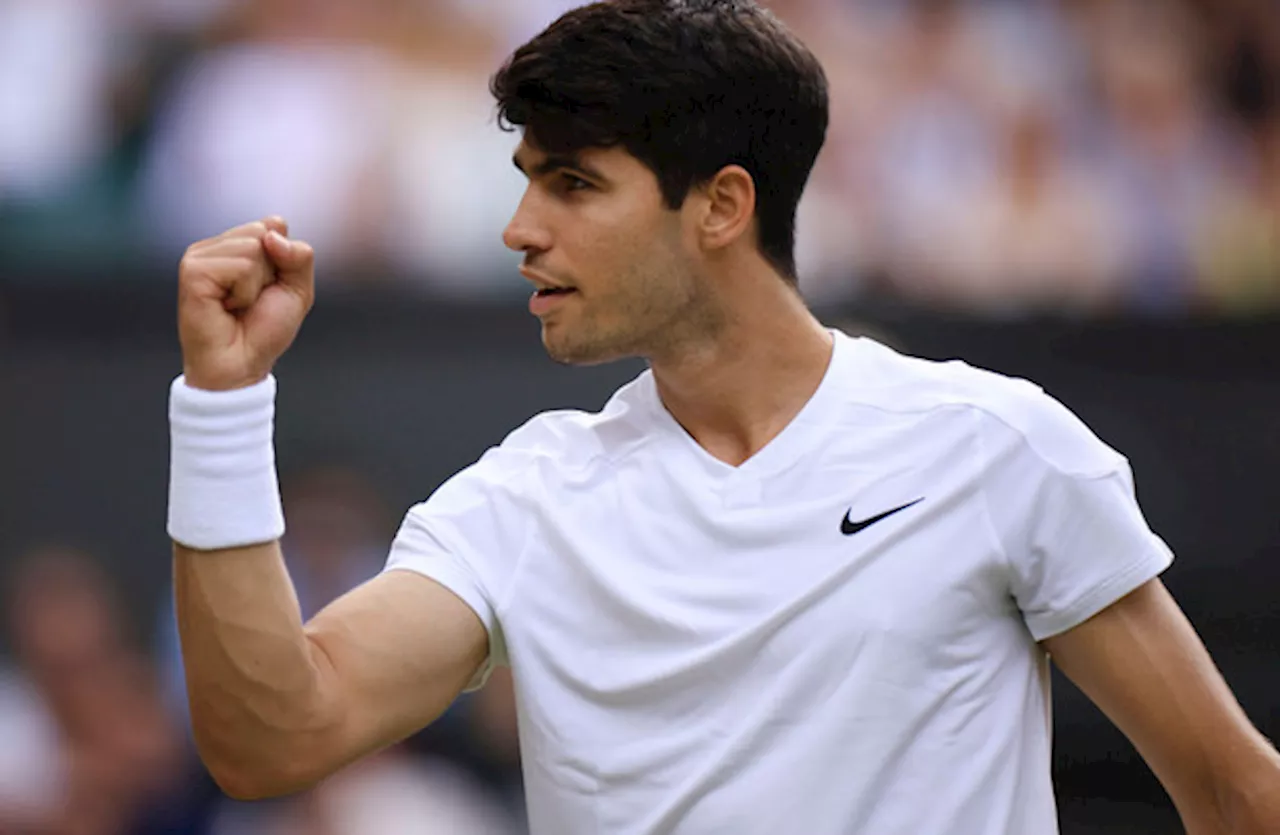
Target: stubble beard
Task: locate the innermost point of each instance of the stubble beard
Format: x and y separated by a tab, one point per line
652	318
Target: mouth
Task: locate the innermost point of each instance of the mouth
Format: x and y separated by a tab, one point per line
547	299
541	283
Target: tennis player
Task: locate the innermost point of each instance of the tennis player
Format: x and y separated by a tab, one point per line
786	581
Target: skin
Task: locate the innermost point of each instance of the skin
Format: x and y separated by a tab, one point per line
588	222
733	349
277	704
1141	662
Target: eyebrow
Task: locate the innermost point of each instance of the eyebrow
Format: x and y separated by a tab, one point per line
557	162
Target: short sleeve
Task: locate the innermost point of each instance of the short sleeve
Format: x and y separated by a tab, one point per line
468	536
1066	512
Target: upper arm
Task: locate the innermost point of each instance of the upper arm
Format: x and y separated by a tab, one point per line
1142	663
392	655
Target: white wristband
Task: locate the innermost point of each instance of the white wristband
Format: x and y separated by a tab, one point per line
223	491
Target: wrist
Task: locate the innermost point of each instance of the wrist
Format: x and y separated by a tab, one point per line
223	490
205	381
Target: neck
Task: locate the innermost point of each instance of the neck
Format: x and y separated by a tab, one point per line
734	389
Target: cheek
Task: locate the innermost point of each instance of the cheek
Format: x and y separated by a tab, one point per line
622	247
608	253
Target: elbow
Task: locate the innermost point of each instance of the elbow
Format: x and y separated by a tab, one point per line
240	785
270	741
259	771
1251	804
257	781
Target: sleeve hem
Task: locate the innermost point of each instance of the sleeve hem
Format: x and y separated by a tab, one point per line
1100	597
464	590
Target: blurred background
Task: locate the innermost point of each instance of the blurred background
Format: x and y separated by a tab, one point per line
1084	192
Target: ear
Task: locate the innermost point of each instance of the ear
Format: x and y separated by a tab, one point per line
729	208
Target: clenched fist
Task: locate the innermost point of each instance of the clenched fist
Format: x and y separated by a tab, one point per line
242	297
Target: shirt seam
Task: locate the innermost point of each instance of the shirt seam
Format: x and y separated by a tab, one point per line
1087	603
985	502
984	411
502	605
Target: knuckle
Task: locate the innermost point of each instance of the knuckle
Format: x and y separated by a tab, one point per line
192	253
195	268
226	271
190	267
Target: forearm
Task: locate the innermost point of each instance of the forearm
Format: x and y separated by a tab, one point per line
1142	663
1241	797
1251	797
255	681
275	705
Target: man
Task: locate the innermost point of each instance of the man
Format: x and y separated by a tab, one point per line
785	581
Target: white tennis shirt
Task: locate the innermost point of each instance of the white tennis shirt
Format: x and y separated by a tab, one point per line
700	648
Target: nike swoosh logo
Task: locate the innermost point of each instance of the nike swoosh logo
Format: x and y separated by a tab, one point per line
848	527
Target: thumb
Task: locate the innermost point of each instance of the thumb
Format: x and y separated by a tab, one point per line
277	224
288	257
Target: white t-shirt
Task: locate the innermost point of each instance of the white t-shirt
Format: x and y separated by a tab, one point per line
699	648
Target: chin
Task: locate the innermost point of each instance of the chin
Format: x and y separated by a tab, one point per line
566	350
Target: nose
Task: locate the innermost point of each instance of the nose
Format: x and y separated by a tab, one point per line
525	232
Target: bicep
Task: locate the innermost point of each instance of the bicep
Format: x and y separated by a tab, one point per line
393	654
1143	665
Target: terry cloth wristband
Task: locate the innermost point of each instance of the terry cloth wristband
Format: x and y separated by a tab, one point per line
223	491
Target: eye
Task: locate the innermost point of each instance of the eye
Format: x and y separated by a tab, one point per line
571	182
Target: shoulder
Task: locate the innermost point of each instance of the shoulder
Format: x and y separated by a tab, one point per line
574	439
548	452
1008	412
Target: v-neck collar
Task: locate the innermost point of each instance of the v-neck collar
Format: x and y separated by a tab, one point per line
788	445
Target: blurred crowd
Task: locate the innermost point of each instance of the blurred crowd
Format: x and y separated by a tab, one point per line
1004	157
1085	156
999	156
94	730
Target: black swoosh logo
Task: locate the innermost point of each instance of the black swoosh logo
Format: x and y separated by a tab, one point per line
848	527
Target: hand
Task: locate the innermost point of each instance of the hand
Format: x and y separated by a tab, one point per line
242	297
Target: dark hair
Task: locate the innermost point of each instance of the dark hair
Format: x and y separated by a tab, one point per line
686	87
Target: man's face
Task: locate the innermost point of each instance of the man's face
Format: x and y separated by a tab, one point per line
615	270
